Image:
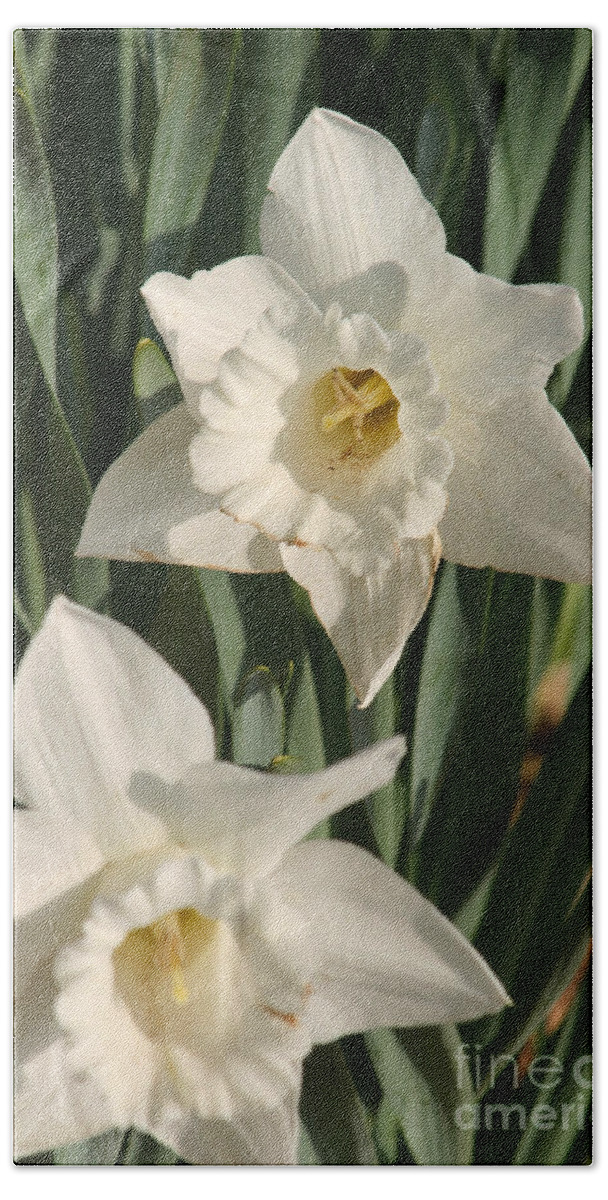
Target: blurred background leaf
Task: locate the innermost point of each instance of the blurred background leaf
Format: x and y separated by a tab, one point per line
193	105
536	910
542	81
35	229
258	723
99	1151
425	1079
276	65
334	1117
575	251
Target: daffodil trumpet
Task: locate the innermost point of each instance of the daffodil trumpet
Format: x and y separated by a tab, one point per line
357	402
179	945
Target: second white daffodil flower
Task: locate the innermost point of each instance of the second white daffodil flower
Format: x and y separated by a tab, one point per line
178	947
357	403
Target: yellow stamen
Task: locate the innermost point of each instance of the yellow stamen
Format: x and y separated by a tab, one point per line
179	990
358	415
374	392
355	401
171	954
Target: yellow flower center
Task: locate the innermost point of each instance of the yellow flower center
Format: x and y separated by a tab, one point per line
357	411
154	966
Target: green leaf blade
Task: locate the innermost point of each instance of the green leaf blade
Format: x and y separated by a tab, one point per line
333	1114
539	97
35	235
275	64
258	723
193	111
425	1080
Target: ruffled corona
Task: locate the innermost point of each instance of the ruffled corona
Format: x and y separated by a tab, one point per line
178	947
355	399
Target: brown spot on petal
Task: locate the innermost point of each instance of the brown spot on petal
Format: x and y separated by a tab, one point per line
146	555
323	796
288	1017
307	991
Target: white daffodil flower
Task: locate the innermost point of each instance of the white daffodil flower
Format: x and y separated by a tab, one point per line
178	947
357	402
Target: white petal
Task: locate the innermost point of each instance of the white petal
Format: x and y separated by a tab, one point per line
93	705
273	500
414	382
203	317
519	493
380	291
342	200
362	343
369	617
245	820
39	935
147	508
271	1136
256	1136
54	1107
52	855
385	955
488	339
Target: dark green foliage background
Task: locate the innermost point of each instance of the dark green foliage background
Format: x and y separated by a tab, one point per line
137	150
